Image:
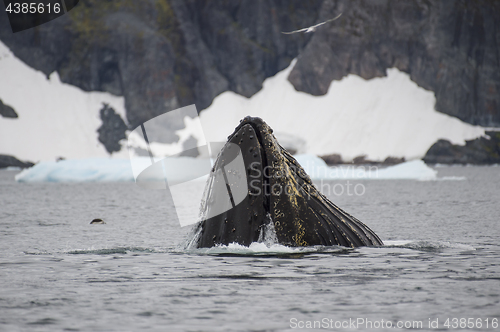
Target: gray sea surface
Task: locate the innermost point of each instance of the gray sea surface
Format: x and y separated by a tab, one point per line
59	273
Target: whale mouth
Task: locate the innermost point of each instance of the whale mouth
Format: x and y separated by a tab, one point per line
254	182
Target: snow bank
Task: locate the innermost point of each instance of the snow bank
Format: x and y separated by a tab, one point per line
381	117
119	170
55	119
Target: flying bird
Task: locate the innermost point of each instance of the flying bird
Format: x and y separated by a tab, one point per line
312	28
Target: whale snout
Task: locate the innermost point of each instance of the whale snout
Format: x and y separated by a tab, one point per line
255	181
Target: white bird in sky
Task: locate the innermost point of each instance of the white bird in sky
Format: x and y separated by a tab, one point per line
312	28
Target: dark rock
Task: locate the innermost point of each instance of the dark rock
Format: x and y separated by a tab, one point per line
361	160
332	159
336	159
10	161
161	55
393	160
112	129
449	47
189	151
7	111
482	150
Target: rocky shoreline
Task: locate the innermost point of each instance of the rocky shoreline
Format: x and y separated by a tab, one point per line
336	159
484	150
11	161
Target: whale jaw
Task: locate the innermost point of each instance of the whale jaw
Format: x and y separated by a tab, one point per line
274	189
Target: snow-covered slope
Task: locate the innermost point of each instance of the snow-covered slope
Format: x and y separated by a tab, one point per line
55	119
382	117
389	116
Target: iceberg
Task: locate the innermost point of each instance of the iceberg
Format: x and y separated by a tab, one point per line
410	170
120	170
78	170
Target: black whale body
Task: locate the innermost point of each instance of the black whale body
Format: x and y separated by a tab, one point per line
279	191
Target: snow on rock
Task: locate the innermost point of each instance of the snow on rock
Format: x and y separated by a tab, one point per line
55	119
389	116
381	117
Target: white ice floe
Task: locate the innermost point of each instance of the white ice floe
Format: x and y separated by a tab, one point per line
318	170
181	169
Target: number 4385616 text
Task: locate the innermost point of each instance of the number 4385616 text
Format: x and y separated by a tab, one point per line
33	8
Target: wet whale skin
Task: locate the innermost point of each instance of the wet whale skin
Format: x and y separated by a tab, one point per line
277	190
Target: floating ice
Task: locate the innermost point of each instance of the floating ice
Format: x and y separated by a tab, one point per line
85	170
319	170
120	170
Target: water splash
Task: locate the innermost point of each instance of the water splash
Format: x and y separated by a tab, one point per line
191	239
267	233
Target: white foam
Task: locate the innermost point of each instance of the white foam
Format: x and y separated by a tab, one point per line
257	248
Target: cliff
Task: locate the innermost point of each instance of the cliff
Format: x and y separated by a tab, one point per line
161	55
480	151
449	47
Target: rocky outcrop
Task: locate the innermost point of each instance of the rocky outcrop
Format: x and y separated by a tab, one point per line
451	47
161	55
7	111
112	130
336	159
483	150
10	161
332	159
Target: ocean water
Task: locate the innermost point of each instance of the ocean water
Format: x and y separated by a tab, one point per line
440	264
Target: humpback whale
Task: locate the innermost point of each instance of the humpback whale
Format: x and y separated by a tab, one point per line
268	186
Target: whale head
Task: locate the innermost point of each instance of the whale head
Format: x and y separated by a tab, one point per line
255	183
